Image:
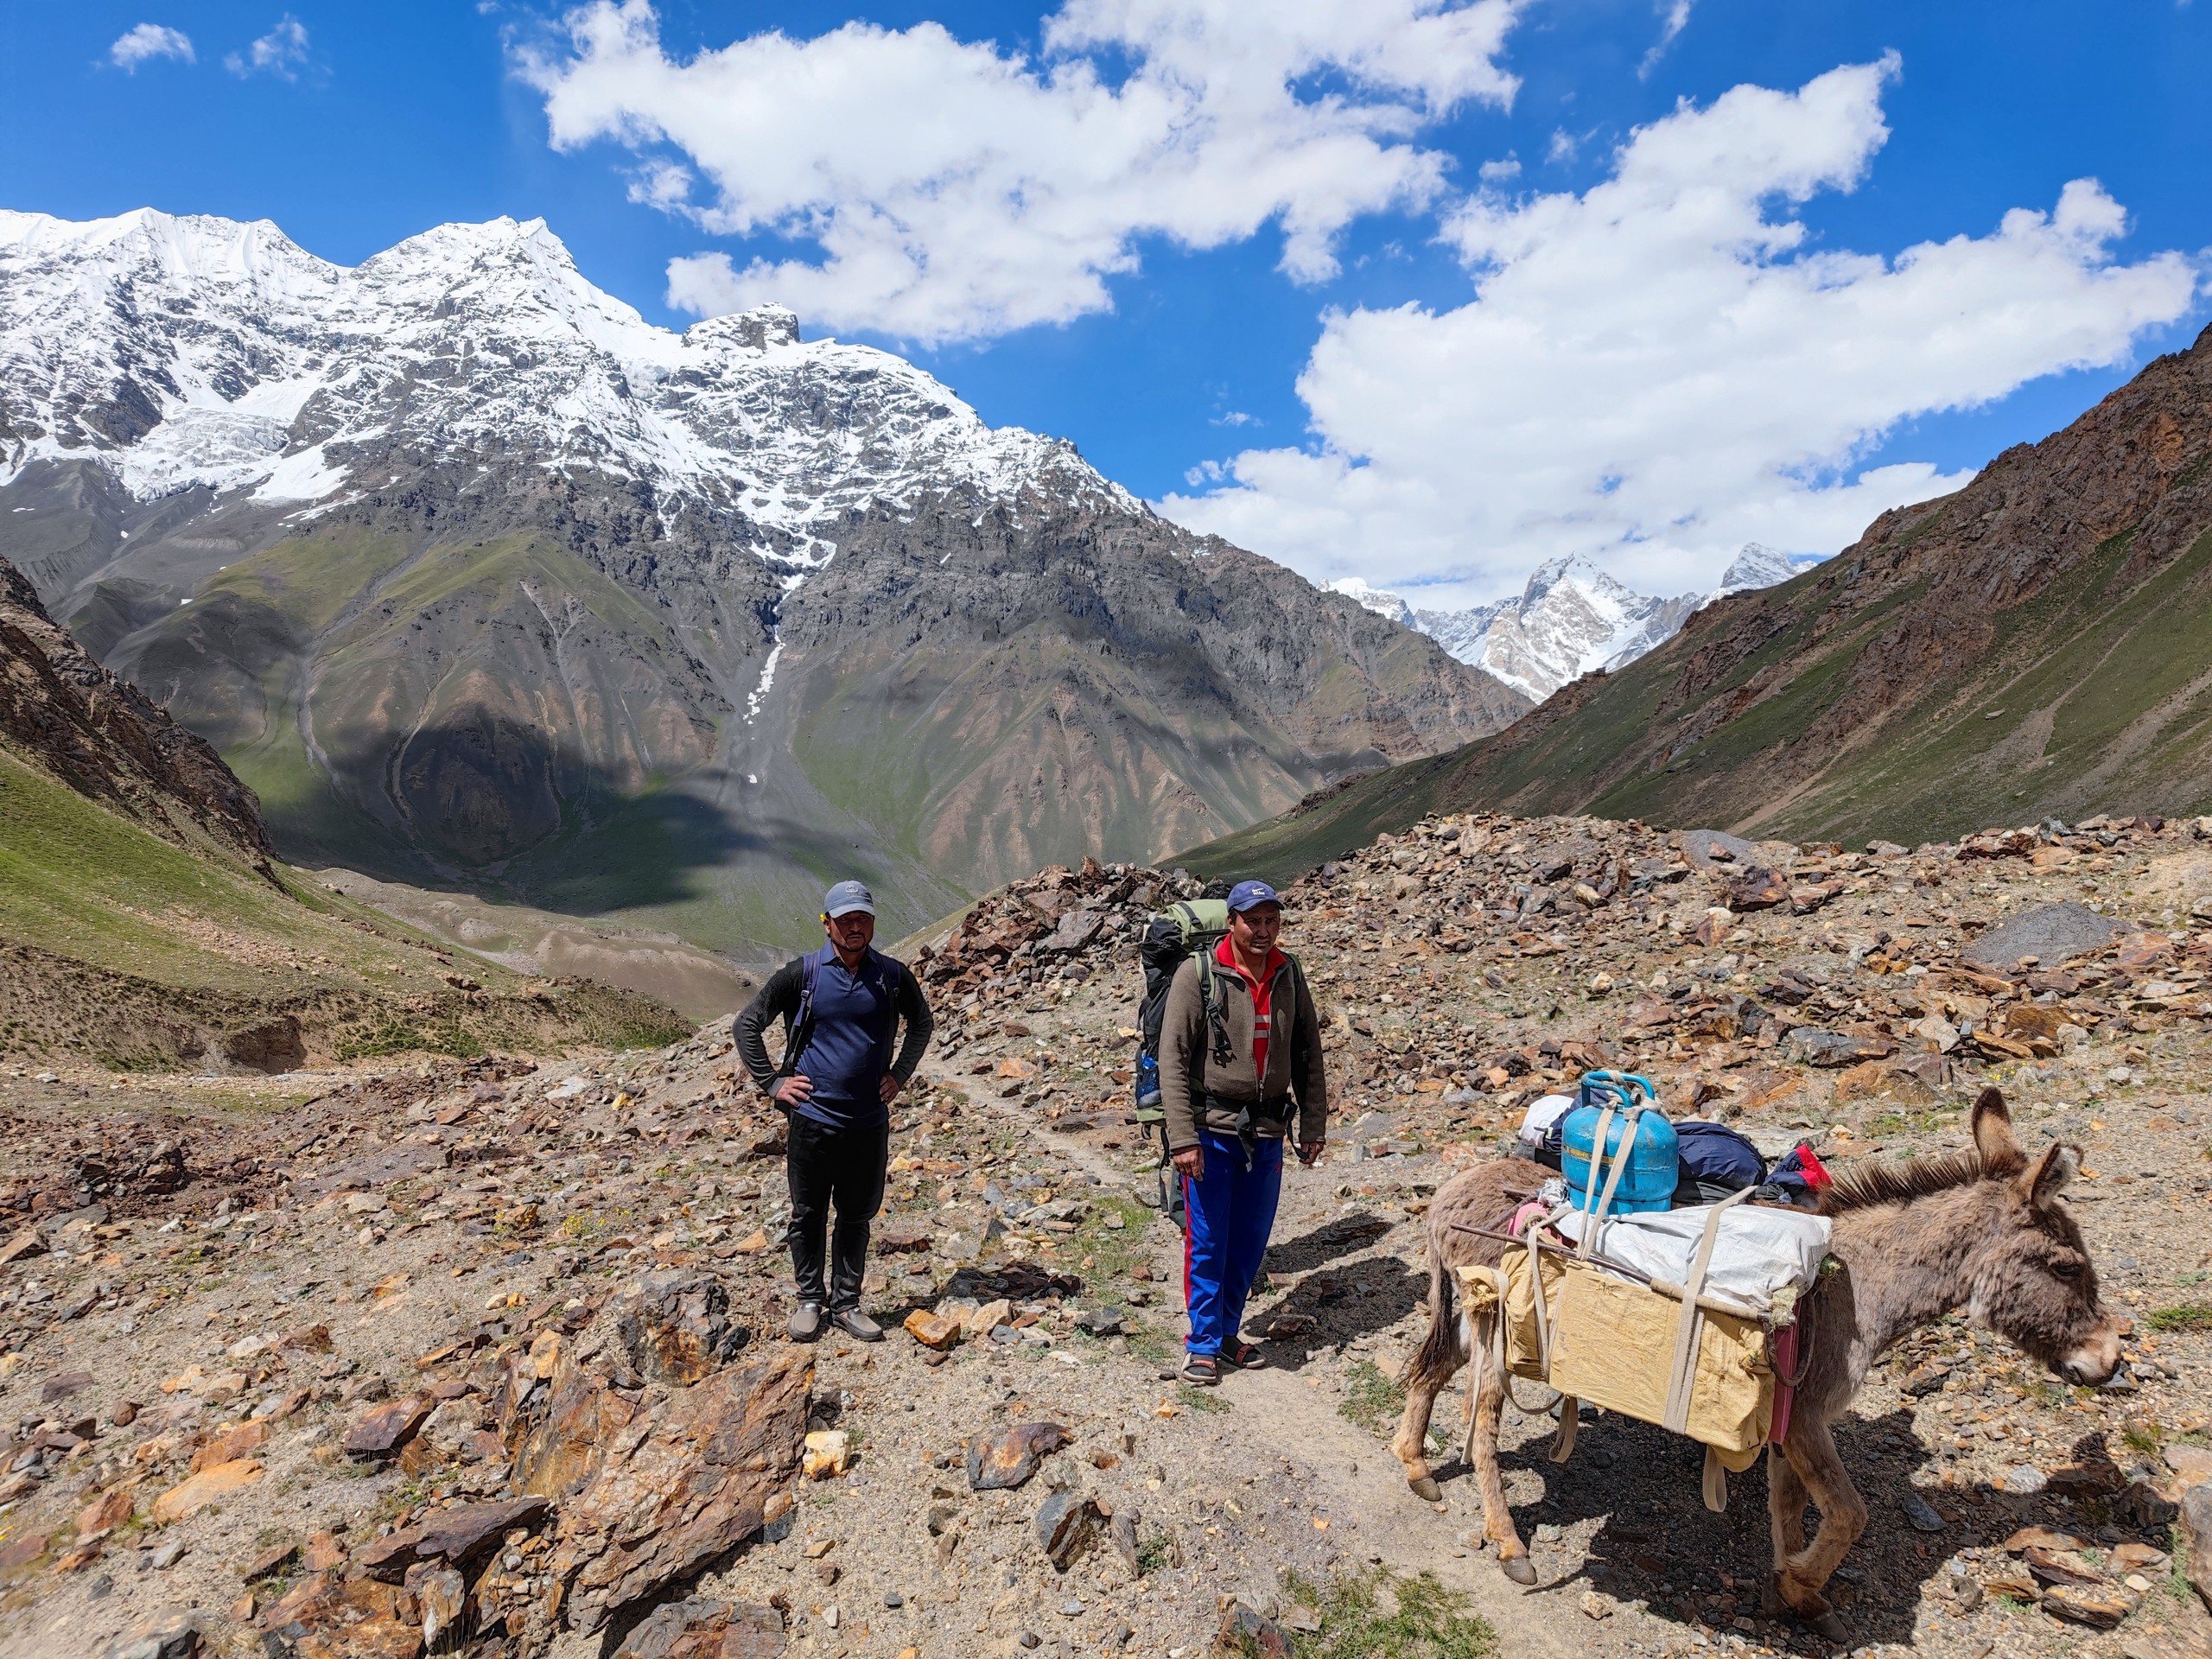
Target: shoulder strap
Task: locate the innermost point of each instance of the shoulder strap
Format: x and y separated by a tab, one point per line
802	1027
1209	1005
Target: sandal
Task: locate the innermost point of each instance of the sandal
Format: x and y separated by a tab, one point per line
1200	1371
1244	1356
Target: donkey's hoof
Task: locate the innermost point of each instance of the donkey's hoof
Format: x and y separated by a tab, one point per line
1427	1489
1520	1569
1828	1627
1771	1605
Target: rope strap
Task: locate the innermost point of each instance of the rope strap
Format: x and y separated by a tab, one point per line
1682	1376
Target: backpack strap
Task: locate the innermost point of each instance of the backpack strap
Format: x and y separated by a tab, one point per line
801	1030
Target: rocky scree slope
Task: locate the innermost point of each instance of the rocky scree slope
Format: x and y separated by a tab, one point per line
337	1369
476	576
2035	644
144	924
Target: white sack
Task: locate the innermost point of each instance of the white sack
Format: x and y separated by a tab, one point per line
1760	1253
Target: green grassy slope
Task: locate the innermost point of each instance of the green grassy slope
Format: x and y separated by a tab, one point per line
120	946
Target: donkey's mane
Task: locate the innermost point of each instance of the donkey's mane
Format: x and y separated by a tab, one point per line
1900	1183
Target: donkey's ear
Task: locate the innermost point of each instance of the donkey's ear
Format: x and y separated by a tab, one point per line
2044	1179
1993	1134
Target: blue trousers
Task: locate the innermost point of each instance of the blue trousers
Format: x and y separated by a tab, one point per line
1228	1214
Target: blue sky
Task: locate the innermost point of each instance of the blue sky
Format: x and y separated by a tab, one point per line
1409	458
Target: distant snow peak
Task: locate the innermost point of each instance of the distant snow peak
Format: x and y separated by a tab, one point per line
1758	566
1573	618
1376	599
194	351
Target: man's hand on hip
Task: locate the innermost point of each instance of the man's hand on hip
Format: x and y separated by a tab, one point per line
1191	1161
794	1090
890	1088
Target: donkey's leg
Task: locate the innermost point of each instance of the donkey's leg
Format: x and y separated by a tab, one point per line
1440	1355
1785	1510
1804	1574
1497	1516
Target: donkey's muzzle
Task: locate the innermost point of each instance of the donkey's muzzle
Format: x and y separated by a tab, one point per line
2094	1361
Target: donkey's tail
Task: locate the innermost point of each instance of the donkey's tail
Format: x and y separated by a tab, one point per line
1440	1351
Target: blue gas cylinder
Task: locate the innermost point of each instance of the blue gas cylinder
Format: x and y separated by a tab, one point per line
1649	1181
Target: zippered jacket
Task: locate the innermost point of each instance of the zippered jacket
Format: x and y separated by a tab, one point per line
1197	1091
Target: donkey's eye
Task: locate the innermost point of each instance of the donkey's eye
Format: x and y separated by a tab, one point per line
2067	1269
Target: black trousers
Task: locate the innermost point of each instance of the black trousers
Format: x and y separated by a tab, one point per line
847	1165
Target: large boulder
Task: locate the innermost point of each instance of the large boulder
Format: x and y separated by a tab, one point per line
676	1487
675	1326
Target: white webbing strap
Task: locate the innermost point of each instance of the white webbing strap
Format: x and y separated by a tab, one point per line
1682	1376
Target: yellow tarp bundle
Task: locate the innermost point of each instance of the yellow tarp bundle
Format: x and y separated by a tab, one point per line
1612	1342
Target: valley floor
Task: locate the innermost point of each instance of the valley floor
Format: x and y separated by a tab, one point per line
236	1273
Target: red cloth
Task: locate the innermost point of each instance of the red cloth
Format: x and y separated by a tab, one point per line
1262	990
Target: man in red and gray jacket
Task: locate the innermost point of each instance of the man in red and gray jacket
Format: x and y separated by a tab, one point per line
1240	1058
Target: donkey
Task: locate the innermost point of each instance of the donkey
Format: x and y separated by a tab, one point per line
1984	1229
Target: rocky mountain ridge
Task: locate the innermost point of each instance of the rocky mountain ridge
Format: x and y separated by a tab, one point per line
477	578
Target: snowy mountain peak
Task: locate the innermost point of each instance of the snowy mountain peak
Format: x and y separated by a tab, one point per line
1378	599
1572	618
192	351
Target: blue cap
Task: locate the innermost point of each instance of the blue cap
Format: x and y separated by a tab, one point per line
847	897
1245	894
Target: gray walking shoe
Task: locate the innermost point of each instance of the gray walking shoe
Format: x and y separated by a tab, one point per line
857	1325
805	1322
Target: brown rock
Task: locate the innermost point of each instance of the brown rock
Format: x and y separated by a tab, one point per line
714	1464
24	1245
324	1553
901	1237
2101	1606
217	1481
105	1513
1246	1633
231	1443
388	1427
438	1593
19	1553
269	1563
2027	1019
1758	888
569	1446
706	1629
2089	1478
675	1325
2059	1566
458	1536
1004	1461
308	1339
936	1331
2197	1526
1880	1080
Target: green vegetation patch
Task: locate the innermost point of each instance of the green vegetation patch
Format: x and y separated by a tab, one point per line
2184	1316
1382	1615
1371	1399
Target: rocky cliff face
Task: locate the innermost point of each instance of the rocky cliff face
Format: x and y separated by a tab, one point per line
2034	645
475	575
68	717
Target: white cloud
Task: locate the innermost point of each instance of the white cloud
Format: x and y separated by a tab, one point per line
281	52
1563	146
1675	16
1500	171
148	41
954	190
1655	371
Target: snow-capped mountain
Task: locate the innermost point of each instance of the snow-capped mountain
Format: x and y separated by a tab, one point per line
1378	599
1573	618
183	351
1759	566
476	576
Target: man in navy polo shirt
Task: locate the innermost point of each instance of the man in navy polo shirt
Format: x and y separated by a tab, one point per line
841	1008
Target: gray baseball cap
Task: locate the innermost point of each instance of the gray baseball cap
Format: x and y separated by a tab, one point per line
847	897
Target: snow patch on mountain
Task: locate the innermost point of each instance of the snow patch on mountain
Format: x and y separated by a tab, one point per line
1759	566
184	351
